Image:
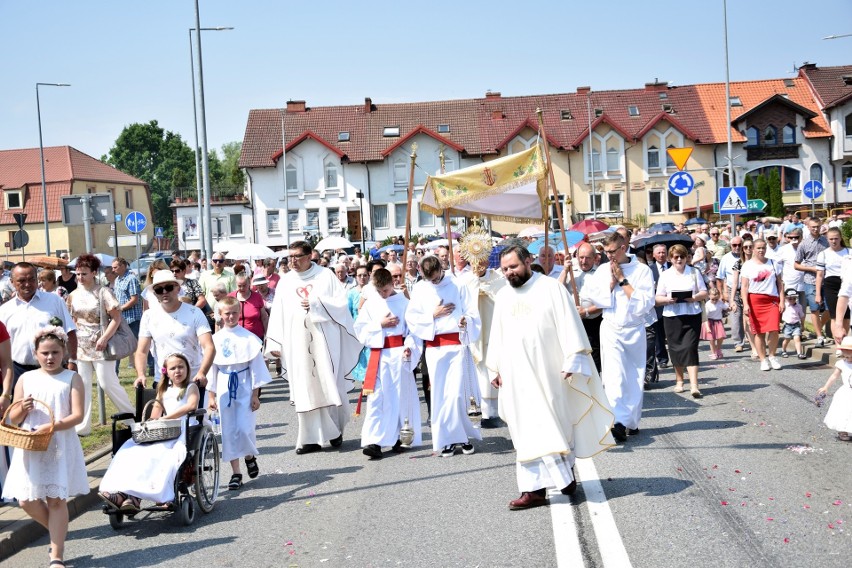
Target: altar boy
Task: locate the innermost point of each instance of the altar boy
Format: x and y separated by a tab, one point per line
389	382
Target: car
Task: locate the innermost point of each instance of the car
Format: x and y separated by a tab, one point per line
139	267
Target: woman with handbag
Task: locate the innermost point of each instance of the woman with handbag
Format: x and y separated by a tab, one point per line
97	317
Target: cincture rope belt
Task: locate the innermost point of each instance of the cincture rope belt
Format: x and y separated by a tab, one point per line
373	367
444	340
233	383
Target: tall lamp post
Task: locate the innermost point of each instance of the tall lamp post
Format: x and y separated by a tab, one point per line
360	196
41	157
202	226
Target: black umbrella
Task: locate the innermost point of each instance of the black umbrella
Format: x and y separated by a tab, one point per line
668	239
695	221
661	228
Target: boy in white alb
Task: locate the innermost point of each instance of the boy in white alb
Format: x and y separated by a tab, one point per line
392	399
233	387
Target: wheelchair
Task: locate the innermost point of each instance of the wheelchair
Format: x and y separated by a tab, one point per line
197	481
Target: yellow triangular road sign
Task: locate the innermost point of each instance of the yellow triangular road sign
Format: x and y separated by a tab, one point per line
680	156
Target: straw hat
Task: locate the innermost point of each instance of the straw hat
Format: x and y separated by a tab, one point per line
846	344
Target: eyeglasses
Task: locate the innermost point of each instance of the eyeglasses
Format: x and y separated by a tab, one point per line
176	270
795	238
164	289
714	234
218	260
677	257
734	245
749	247
298	256
611	252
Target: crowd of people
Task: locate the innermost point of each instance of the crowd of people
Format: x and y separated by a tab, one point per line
559	348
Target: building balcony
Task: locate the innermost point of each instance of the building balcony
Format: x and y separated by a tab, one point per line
183	196
780	152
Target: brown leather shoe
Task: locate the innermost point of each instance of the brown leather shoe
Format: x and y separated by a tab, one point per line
529	499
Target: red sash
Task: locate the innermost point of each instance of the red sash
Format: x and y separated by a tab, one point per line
373	363
444	339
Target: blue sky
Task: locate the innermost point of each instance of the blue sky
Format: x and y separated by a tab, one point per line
129	61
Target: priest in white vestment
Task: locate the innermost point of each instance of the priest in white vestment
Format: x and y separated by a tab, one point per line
624	288
443	315
550	392
484	286
311	327
392	400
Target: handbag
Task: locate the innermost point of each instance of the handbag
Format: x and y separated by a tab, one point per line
123	343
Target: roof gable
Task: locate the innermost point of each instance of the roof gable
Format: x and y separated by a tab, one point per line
307	135
420	129
828	83
602	119
777	99
665	117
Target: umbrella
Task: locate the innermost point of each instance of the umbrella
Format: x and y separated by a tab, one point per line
244	250
587	226
661	228
387	248
104	258
282	254
453	234
668	239
695	221
53	262
530	232
333	243
772	219
440	243
555	241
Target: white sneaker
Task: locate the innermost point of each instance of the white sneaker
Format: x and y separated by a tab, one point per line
820	342
774	363
764	365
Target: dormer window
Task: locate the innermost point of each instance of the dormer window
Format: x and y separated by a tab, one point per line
598	112
736	102
443	129
391	132
753	136
633	110
566	115
343	136
770	136
14	200
788	134
663	95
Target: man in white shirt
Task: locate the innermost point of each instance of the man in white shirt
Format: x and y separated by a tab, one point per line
547	260
786	257
725	283
772	246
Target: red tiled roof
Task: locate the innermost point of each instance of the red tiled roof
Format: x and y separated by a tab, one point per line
828	84
421	130
62	166
308	135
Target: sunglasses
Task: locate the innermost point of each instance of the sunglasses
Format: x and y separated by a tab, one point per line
164	289
218	260
176	270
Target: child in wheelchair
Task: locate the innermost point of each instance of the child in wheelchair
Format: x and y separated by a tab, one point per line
147	471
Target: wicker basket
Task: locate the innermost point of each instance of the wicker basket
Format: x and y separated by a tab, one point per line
11	435
159	430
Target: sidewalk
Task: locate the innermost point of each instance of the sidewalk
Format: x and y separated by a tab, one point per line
18	530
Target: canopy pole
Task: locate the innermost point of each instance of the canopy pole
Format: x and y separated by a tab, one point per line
552	182
448	229
408	211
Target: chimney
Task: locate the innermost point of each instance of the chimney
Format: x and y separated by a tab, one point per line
657	85
808	65
295	106
496	115
492	94
368	105
584	90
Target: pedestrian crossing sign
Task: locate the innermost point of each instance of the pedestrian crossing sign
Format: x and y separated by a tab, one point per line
733	200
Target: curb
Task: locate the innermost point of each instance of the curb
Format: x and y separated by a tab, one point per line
20	533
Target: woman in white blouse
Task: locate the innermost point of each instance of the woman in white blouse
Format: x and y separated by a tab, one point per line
829	265
680	290
762	303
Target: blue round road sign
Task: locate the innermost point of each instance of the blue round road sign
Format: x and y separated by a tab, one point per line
135	222
681	183
812	190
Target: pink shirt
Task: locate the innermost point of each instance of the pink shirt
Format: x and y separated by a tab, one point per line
250	313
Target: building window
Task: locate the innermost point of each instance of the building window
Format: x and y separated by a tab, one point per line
390	132
674	202
293	221
736	102
770	136
753	136
596	202
426	219
596	161
633	110
848	126
846	173
343	137
333	220
669	162
128	198
614	201
612	160
655	202
273	225
816	173
235	221
292	181
312	223
330	176
13	200
788	135
400	213
380	216
653	158
400	177
443	128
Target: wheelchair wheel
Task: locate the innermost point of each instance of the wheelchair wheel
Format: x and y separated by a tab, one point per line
186	513
116	520
206	466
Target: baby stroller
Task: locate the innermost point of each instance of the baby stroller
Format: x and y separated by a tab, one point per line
197	481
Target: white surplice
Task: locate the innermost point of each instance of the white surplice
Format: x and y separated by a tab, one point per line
318	350
623	342
451	368
395	396
238	351
485	289
537	337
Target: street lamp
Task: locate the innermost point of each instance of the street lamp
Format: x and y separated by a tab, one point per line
202	226
837	36
360	196
41	156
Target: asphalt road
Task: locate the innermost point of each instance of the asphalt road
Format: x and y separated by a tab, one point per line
746	476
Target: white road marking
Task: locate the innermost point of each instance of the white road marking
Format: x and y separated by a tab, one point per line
565	537
611	547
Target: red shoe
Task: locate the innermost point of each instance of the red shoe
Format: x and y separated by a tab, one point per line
529	499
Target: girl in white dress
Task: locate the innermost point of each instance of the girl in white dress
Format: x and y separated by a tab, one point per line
839	415
147	471
43	481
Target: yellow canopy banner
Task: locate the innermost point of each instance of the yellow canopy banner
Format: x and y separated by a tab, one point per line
511	188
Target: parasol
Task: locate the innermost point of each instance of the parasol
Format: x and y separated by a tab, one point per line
668	239
661	228
555	241
530	232
238	250
332	243
387	248
587	226
53	262
695	221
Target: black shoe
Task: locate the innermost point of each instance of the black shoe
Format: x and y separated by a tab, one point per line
308	449
398	448
236	482
467	449
337	442
632	431
251	467
662	364
490	423
619	432
570	489
373	451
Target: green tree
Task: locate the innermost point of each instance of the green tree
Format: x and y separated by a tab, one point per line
776	196
158	157
236	177
762	188
751	186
